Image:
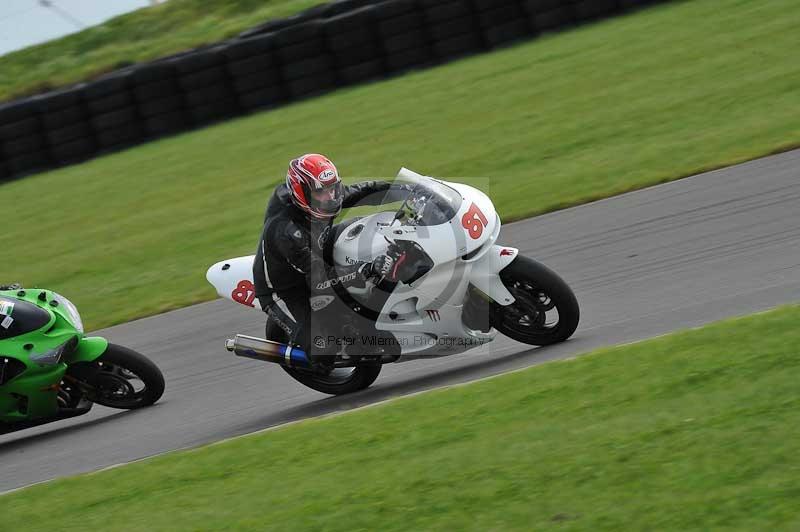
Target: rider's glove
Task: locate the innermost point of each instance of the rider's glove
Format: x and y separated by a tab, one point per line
381	266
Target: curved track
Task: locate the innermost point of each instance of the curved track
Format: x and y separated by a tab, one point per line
642	264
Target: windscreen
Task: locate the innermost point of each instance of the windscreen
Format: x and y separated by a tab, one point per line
19	317
426	202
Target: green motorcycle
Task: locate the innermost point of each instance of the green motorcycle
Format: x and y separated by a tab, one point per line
49	370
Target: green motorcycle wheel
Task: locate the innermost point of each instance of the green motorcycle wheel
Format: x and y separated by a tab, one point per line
125	379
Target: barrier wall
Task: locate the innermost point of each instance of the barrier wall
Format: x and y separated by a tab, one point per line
326	47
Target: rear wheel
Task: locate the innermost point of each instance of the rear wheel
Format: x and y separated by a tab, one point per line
125	379
545	310
338	381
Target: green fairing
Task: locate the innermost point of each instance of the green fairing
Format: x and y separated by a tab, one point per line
33	393
89	349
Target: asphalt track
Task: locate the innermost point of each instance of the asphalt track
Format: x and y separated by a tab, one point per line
642	264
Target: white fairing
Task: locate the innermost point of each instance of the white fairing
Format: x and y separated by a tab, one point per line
425	316
233	279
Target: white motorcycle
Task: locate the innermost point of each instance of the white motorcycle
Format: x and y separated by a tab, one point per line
456	290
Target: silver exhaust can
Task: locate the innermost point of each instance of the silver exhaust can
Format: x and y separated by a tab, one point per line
267	351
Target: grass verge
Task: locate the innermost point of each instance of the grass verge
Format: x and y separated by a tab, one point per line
139	36
698	430
591	113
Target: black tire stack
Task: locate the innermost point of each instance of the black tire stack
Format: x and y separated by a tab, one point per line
502	21
404	39
112	110
22	142
337	44
65	120
159	99
255	72
548	15
306	64
452	28
207	88
355	45
586	10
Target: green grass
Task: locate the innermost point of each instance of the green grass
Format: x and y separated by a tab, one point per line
616	106
142	35
698	430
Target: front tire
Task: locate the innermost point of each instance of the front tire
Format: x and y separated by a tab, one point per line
125	379
545	310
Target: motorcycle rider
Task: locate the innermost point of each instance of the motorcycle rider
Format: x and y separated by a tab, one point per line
293	269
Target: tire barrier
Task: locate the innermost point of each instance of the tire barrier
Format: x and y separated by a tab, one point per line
332	45
22	138
113	113
65	125
255	72
159	99
206	87
355	46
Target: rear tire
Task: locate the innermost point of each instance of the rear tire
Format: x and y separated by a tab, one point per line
126	379
359	378
538	291
337	382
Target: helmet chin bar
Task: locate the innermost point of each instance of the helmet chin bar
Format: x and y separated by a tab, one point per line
326	209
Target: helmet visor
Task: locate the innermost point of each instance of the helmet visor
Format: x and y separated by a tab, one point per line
327	201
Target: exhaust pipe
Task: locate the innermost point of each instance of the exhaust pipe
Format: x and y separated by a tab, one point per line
267	351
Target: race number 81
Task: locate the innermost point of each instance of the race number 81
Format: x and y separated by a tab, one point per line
474	221
244	293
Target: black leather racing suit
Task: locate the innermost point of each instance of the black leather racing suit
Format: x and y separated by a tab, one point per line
293	267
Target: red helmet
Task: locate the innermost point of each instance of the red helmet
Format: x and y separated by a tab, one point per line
315	186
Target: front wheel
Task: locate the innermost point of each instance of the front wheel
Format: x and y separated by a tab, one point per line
125	379
545	310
